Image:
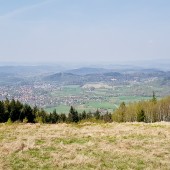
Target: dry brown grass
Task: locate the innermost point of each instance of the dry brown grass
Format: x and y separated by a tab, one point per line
85	146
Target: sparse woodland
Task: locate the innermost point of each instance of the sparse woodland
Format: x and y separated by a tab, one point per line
144	111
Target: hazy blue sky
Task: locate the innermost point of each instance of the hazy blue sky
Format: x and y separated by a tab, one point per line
84	30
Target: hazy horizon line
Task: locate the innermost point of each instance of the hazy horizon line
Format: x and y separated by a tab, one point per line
84	62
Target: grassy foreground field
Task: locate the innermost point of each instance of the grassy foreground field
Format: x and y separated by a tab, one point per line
85	146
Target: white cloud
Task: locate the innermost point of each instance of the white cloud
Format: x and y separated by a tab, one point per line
23	9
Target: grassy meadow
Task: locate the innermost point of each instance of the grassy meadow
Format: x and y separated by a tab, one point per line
85	146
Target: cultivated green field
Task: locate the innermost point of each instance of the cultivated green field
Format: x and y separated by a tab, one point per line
98	98
59	109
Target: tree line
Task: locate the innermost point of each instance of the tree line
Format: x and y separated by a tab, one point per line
144	111
14	110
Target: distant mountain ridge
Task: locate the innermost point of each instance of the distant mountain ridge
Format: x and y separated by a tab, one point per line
90	76
84	75
88	70
29	70
79	76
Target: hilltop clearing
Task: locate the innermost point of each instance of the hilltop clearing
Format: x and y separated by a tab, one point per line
85	146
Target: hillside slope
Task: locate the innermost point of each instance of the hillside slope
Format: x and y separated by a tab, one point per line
85	146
